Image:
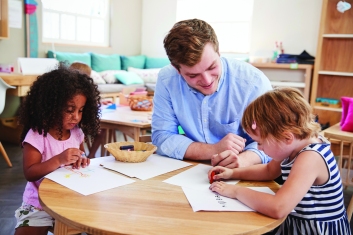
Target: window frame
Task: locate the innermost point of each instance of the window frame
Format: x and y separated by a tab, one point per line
76	42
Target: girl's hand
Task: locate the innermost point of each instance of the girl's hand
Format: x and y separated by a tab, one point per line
72	156
220	173
224	189
82	161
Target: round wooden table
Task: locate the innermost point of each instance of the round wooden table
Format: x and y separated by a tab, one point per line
146	207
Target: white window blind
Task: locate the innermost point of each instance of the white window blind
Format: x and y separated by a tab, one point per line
79	22
231	20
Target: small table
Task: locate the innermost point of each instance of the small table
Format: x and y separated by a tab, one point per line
20	81
146	207
129	122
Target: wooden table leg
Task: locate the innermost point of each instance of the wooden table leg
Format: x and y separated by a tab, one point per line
137	132
60	228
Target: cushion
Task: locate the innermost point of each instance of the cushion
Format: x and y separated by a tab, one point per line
347	114
109	75
155	62
137	61
97	78
70	57
129	78
105	62
147	75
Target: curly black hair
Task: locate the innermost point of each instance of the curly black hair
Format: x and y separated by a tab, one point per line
47	99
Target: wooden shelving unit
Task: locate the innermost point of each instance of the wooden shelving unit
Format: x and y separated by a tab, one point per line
4	19
303	83
333	71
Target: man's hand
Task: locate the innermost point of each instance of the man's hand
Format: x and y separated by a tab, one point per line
231	142
227	159
231	160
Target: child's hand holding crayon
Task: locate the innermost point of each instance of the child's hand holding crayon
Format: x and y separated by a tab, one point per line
219	172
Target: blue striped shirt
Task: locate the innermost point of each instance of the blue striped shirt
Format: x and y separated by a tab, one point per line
203	118
322	210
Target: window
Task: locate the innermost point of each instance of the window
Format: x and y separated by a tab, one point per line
231	20
79	22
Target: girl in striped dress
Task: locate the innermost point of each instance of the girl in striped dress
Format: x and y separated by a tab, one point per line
282	124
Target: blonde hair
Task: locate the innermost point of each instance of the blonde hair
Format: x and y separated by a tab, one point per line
280	110
81	67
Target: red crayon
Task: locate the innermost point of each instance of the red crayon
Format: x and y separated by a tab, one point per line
212	174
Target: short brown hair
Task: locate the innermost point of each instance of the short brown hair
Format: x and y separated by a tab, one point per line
282	109
81	67
185	42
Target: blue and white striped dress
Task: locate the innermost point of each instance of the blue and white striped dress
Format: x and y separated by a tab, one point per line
322	210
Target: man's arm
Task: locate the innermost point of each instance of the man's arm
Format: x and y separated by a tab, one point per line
231	160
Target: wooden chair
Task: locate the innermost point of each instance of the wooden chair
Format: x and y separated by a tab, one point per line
350	209
3	87
344	139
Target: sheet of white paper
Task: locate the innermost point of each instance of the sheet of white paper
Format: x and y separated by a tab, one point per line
98	161
153	166
206	200
195	178
15	14
91	179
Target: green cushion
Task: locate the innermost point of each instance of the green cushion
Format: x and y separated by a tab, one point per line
129	78
137	61
155	62
105	62
71	57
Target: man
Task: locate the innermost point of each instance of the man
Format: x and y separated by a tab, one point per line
206	95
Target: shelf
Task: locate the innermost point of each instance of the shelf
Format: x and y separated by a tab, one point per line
288	84
337	35
4	21
335	73
328	108
301	71
281	66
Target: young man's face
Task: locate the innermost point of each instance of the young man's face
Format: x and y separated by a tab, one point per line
204	76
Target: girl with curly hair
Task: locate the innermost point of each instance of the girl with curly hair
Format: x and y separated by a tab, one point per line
60	110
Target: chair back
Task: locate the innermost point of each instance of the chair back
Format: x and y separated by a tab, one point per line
145	138
3	87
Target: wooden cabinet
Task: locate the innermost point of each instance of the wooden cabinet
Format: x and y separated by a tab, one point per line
333	71
279	75
4	19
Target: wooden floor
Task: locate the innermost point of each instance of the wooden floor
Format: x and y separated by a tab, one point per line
12	184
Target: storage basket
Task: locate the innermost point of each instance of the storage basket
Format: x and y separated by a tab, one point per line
141	151
141	103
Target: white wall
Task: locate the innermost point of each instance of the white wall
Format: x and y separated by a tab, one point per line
295	23
158	16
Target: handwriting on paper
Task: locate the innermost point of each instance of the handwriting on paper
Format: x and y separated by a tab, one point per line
220	200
